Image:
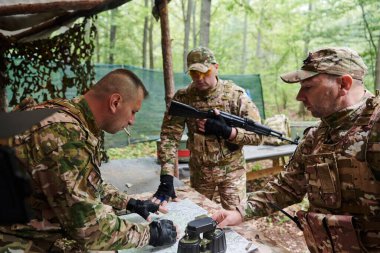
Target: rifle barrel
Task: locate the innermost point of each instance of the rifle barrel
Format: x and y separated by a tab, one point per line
184	110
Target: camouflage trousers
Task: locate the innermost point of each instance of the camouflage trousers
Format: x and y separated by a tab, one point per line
231	183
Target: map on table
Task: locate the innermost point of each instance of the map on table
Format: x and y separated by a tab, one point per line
182	213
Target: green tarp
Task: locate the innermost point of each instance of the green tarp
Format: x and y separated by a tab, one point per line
149	119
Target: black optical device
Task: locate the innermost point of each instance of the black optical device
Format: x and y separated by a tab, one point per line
212	241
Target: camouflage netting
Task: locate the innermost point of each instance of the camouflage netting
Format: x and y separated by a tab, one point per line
51	68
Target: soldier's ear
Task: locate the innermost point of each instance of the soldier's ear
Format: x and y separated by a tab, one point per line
115	101
216	66
345	84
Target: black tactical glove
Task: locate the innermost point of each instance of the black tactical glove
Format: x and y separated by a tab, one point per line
165	190
218	127
162	232
142	207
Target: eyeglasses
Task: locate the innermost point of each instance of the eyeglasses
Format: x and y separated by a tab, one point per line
194	74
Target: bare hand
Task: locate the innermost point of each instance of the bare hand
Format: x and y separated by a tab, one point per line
161	209
201	124
227	218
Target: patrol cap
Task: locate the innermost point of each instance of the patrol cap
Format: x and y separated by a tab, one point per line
329	60
200	59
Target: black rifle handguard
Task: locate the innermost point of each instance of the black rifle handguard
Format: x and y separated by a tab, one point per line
183	110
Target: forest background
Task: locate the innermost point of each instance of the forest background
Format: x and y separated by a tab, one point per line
266	37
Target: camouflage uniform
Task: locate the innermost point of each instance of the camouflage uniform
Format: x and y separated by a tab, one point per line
72	208
337	165
278	123
213	162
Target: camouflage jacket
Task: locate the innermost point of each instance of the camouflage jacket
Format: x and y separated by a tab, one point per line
69	197
207	150
337	165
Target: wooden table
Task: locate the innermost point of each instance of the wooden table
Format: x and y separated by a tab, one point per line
276	154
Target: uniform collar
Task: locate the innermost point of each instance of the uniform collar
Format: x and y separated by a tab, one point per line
86	114
348	114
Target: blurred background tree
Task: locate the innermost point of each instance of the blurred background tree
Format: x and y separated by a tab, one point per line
266	37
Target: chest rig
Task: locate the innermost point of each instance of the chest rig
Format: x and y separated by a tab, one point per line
209	150
91	140
339	178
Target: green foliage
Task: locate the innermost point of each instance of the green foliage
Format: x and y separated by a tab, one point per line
279	35
256	167
142	149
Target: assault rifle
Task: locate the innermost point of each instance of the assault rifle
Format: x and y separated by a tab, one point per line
184	110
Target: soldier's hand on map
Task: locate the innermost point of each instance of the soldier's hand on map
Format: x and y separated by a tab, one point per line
227	218
162	232
144	208
165	191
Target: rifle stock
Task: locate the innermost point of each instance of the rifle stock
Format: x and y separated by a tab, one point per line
183	110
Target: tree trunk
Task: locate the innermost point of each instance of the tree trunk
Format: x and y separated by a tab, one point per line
3	80
308	27
151	46
187	22
194	25
145	38
166	52
112	36
204	24
244	48
377	70
258	45
97	48
3	95
301	109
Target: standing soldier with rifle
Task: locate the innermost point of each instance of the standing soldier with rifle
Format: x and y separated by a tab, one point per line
216	158
336	163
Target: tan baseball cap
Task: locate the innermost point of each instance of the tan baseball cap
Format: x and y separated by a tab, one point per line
200	59
330	60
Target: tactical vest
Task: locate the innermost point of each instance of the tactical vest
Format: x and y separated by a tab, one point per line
92	140
210	150
340	181
53	233
76	118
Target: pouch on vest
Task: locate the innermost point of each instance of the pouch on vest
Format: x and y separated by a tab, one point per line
323	180
208	150
329	233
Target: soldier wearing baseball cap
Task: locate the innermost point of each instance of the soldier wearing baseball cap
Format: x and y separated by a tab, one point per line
330	60
336	164
214	146
200	59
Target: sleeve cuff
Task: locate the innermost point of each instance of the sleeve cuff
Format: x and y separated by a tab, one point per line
168	169
241	210
239	135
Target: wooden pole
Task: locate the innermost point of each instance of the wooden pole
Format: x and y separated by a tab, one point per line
166	52
3	97
3	79
167	60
